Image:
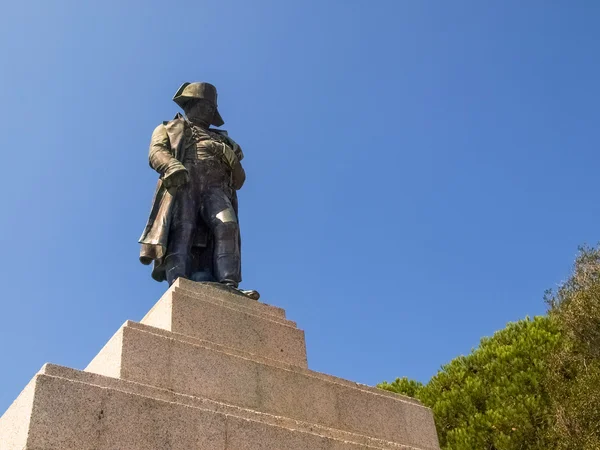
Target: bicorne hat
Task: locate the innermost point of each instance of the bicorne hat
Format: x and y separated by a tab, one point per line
191	91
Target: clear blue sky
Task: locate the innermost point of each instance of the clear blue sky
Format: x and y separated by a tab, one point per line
418	172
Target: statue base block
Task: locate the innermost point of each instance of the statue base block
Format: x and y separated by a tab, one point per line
167	384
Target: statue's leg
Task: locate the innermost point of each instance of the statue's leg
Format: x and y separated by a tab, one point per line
181	232
220	216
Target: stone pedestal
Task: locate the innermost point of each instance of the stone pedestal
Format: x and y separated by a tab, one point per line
208	370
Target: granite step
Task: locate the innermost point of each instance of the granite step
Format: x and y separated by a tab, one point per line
73	410
219	294
246	355
183	365
222	320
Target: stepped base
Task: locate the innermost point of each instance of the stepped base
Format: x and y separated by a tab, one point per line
207	313
182	364
68	409
209	370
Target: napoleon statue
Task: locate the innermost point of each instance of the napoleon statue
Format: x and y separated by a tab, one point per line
193	229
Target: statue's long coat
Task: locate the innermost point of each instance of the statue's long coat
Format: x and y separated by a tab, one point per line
154	239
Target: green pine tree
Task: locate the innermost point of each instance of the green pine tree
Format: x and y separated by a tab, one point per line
574	372
494	398
533	385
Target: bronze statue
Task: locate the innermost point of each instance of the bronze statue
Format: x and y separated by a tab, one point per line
193	229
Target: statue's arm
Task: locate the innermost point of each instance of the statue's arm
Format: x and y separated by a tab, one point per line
238	174
161	156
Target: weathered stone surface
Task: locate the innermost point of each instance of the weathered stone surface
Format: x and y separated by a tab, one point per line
74	410
14	424
107	354
185	367
222	320
210	292
211	405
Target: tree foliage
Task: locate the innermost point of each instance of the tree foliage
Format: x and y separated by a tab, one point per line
574	372
533	385
404	386
494	398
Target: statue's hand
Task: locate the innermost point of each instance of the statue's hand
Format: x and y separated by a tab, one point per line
176	178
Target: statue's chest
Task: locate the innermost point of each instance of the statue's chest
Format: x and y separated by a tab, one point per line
202	144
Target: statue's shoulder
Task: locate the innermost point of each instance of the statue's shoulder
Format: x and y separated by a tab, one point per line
169	131
178	120
168	125
173	127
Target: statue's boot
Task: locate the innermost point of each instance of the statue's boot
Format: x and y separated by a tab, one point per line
252	294
227	258
177	261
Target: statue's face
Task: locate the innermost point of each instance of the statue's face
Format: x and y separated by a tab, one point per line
201	111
